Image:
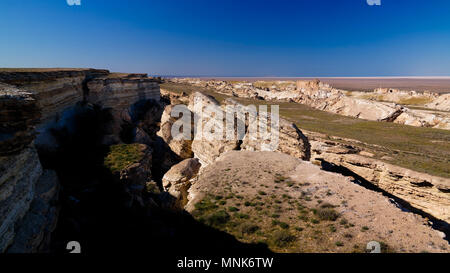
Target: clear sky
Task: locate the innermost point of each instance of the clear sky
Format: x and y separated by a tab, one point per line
230	38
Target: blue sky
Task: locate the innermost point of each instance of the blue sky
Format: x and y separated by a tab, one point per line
230	38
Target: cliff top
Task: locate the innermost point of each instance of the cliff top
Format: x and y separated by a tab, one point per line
24	70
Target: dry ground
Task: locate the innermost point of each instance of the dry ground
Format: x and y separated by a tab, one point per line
294	207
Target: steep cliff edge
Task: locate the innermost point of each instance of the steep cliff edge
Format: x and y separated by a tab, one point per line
26	215
34	104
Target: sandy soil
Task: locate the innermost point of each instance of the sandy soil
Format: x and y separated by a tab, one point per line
364	215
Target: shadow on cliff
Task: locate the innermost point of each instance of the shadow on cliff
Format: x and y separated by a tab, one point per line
92	209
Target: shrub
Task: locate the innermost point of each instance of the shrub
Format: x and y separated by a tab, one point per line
283	225
327	205
283	238
248	228
327	214
242	216
233	209
218	218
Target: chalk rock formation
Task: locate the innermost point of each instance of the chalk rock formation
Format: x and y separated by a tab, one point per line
425	192
290	141
181	147
205	147
54	89
119	91
177	180
440	103
370	106
363	109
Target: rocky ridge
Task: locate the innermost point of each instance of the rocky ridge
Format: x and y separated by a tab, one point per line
327	98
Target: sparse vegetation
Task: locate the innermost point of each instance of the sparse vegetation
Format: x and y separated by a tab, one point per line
123	155
327	214
283	238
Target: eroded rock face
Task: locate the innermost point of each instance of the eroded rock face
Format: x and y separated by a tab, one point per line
206	148
354	104
182	147
34	229
27	216
425	192
24	223
120	91
18	115
27	192
177	180
440	103
54	89
19	174
291	141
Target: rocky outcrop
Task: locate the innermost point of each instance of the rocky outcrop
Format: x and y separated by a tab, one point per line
363	109
440	103
177	180
290	139
205	148
24	223
18	115
120	91
181	147
33	234
380	105
422	191
49	99
19	175
55	89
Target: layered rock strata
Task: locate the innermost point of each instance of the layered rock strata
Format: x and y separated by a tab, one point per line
46	99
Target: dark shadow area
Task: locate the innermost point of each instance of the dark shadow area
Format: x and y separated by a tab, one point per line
93	211
400	203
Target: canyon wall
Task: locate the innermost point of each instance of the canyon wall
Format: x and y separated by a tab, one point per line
32	101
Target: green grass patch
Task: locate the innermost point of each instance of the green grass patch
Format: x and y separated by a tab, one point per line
123	155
